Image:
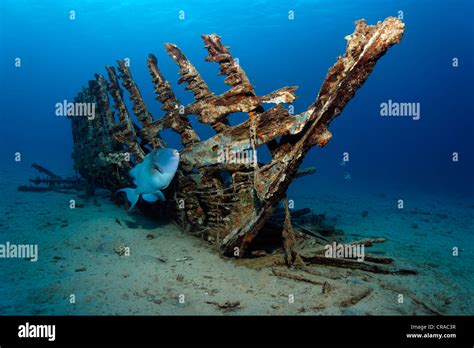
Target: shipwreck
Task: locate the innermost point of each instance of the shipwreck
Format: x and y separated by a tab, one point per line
226	202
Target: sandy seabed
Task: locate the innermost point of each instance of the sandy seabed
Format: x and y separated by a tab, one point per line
77	257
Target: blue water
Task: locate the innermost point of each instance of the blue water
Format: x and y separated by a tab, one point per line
390	158
59	55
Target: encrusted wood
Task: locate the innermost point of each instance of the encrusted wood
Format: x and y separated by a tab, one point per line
226	202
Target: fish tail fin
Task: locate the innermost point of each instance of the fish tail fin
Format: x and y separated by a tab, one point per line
153	197
132	196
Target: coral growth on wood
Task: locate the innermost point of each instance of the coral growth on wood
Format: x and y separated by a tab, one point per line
227	202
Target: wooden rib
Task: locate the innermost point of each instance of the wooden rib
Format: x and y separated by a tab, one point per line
236	76
128	136
173	118
220	54
189	74
365	46
139	107
104	105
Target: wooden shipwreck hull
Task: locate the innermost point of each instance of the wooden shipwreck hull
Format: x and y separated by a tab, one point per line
225	201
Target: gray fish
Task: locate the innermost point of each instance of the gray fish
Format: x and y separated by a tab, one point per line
151	175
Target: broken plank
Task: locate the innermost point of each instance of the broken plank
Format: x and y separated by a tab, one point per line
345	263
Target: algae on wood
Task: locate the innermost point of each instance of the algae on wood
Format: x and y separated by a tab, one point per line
226	202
